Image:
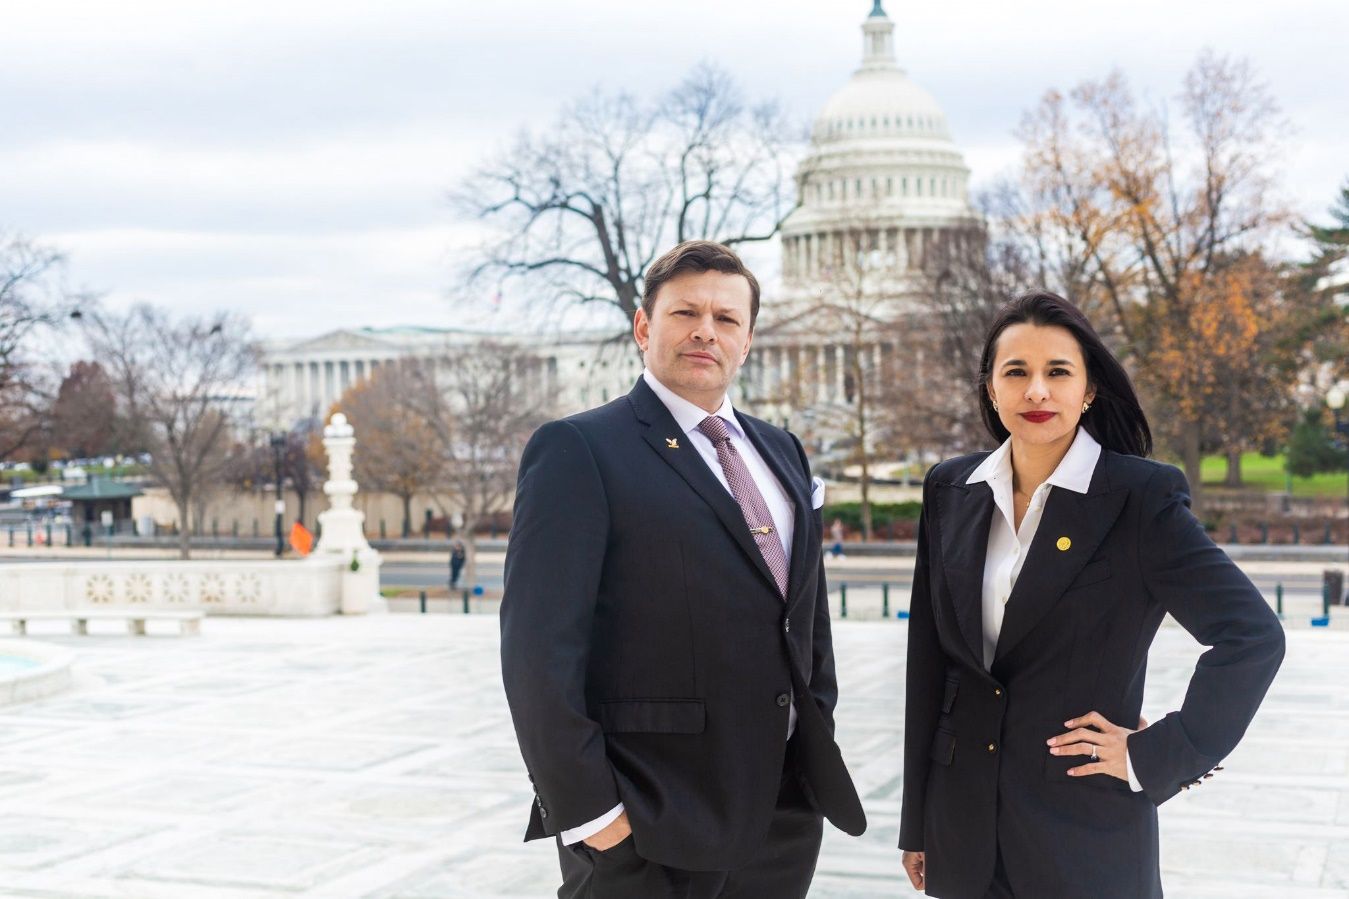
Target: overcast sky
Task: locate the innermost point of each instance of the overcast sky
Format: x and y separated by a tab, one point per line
290	160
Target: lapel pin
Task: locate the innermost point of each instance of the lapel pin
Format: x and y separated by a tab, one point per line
1063	544
672	443
763	530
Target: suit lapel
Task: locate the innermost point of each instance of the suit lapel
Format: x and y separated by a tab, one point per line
964	515
792	480
1084	519
659	428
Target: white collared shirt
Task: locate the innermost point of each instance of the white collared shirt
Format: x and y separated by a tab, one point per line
1008	545
688	416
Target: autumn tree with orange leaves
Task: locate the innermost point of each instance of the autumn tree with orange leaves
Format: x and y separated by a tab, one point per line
1155	223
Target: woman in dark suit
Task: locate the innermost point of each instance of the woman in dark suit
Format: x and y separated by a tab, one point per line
1044	570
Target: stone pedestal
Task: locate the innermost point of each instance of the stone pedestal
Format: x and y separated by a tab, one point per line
343	526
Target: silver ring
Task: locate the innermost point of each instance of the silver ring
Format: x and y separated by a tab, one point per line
1094	757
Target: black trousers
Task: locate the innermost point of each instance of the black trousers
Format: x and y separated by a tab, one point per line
782	869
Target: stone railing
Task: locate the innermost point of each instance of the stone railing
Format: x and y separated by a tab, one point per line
309	587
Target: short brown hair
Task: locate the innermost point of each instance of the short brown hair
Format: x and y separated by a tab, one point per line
697	256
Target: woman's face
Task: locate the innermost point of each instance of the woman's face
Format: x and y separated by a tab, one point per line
1039	382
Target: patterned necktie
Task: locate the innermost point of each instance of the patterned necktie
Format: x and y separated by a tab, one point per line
751	501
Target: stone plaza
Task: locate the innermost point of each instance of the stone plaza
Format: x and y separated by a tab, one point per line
373	757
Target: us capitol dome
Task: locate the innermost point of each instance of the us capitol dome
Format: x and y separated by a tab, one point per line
881	186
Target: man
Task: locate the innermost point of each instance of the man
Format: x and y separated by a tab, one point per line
458	554
665	637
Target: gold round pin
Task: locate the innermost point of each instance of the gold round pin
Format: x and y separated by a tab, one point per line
1063	544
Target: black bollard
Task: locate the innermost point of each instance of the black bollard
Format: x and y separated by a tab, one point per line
423	601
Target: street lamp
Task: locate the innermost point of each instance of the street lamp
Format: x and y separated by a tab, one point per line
1335	400
278	446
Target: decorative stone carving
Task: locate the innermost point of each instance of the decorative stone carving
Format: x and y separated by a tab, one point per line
343	534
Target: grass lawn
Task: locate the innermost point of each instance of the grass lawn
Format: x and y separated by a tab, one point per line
1267	473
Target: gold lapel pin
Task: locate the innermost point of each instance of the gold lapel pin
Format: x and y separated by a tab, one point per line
763	530
1063	544
672	443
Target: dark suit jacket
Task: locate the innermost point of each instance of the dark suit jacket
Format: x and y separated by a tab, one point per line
647	654
1078	625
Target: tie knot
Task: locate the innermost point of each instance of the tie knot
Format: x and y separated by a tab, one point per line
715	429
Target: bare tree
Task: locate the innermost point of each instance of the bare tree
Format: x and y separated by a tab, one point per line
581	208
483	402
32	300
175	381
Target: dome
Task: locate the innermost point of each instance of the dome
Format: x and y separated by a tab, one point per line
880	100
880	103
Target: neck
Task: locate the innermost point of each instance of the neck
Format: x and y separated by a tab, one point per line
709	404
1033	463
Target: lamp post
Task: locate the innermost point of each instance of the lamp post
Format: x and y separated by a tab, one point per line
278	446
1335	398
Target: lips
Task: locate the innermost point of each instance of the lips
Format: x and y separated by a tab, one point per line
701	357
1037	417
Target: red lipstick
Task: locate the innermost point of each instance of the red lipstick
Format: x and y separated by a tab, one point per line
1037	417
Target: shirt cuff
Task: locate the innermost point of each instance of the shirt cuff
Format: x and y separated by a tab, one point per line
577	834
1129	766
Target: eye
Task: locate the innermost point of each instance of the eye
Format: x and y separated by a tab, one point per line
1013	373
1060	371
683	312
729	320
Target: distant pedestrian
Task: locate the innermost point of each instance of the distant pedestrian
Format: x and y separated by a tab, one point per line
458	554
836	534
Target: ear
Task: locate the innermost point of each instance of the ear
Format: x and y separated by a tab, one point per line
1091	393
641	328
748	340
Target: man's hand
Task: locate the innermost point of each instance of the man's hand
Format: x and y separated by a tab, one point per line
615	832
1096	735
913	866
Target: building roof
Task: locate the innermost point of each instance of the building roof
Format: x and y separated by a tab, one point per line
100	488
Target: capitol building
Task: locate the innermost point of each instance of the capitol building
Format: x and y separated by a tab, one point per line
881	189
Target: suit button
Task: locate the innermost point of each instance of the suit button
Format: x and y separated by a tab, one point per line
783	699
543	812
997	691
992	747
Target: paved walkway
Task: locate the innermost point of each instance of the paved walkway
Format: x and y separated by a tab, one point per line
373	759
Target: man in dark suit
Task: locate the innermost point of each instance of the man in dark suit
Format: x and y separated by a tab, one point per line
665	636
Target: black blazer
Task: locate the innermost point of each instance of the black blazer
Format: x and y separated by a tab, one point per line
978	774
646	652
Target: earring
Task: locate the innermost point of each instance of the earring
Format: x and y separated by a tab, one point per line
995	405
1085	407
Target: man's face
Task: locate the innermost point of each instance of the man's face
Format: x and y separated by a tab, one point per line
698	334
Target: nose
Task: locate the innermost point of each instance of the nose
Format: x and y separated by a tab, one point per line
704	331
1037	391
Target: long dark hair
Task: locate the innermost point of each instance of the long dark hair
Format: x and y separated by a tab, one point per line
1115	419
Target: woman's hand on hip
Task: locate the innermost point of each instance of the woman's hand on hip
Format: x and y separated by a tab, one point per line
1091	735
913	866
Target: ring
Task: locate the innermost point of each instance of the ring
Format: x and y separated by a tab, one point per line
1094	757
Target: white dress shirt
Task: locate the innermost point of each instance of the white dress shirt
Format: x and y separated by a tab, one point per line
688	416
1009	545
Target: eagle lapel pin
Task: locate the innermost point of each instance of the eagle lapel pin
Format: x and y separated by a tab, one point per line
672	443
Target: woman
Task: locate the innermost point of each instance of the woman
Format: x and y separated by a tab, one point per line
1044	570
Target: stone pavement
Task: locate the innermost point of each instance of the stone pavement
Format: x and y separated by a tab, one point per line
372	758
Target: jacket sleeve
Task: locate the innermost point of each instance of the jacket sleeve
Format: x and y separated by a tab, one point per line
1213	599
925	676
552	574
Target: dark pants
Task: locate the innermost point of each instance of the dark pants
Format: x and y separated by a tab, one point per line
455	568
782	868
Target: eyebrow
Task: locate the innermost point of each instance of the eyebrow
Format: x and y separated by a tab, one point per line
1051	362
